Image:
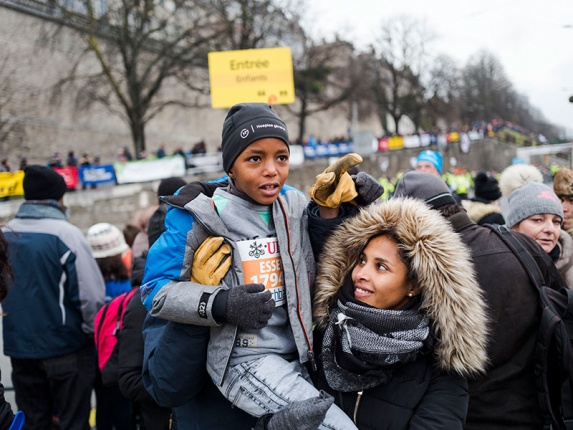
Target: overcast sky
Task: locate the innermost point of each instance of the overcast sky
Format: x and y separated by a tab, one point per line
532	39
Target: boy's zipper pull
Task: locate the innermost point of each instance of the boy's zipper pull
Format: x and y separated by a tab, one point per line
310	356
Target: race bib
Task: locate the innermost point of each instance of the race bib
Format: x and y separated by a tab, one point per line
262	265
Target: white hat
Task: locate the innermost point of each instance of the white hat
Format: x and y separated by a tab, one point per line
106	240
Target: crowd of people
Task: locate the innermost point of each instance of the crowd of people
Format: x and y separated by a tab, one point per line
377	304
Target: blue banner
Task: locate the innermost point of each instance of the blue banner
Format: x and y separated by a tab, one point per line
94	175
328	149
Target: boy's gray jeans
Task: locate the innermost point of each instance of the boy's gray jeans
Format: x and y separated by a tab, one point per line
269	383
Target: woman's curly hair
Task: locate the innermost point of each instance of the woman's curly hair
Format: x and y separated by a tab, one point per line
113	268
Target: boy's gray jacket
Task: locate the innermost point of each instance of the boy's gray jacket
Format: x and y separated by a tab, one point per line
451	296
168	293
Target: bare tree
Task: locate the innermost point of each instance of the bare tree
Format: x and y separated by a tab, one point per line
325	77
250	24
12	130
443	93
142	49
486	90
322	72
398	60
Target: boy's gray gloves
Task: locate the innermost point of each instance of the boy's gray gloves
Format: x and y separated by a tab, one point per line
248	306
369	189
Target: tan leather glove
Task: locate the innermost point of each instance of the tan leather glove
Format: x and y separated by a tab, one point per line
211	261
335	186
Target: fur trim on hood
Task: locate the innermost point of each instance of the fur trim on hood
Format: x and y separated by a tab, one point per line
565	262
563	182
477	210
451	296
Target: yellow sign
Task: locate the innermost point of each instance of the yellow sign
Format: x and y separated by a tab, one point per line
11	183
251	75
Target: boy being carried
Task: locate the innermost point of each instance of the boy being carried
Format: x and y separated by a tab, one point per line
260	313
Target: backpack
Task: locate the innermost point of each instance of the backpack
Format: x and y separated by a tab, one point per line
108	322
553	350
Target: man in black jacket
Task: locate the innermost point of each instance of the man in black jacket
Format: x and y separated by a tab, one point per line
167	187
505	397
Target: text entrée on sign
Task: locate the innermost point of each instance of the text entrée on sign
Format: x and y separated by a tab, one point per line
246	65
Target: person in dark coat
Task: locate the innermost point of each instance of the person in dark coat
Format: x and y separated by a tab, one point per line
6	414
483	207
49	312
167	187
152	416
505	397
146	411
400	319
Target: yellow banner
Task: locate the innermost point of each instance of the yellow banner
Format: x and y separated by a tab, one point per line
11	183
454	136
251	75
396	142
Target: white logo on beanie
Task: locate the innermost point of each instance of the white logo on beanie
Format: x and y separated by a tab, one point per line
244	133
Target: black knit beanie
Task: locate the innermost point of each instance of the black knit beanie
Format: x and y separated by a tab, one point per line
245	123
168	186
486	187
43	183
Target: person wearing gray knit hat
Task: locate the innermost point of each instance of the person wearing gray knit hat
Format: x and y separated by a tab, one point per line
246	123
536	211
424	186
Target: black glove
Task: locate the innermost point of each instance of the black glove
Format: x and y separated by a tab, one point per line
247	306
368	189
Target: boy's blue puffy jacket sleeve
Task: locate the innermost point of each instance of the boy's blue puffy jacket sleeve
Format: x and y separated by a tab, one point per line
166	258
167	291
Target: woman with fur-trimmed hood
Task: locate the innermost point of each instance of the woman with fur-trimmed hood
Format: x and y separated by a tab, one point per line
400	319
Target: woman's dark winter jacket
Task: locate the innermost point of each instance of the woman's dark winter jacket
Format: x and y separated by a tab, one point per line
505	396
154	417
417	395
431	392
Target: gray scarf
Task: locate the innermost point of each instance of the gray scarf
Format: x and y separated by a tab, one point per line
362	344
